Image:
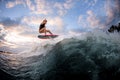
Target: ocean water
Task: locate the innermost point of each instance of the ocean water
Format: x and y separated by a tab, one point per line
91	56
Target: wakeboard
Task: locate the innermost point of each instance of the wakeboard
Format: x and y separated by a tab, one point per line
47	36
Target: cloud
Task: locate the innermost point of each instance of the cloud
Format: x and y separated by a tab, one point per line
112	11
77	32
92	19
2	33
63	6
91	2
30	5
29	25
8	22
15	26
36	6
42	7
32	20
24	32
25	3
82	21
54	23
12	4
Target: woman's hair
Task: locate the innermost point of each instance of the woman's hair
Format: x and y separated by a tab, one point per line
44	20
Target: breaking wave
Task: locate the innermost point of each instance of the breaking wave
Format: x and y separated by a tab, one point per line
92	56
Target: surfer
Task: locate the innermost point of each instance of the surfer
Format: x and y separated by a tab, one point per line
42	28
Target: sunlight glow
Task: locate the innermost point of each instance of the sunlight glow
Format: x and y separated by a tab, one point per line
16	38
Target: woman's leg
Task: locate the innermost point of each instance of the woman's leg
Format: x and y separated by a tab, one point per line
49	31
43	30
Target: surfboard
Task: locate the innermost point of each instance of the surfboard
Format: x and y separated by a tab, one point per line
47	36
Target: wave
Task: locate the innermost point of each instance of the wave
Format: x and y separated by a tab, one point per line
92	56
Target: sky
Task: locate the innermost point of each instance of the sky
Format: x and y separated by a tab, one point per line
21	18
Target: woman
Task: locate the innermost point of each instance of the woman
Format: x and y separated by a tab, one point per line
42	28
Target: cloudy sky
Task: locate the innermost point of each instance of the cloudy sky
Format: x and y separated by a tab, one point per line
23	17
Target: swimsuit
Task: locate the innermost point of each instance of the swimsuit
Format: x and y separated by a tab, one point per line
42	26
